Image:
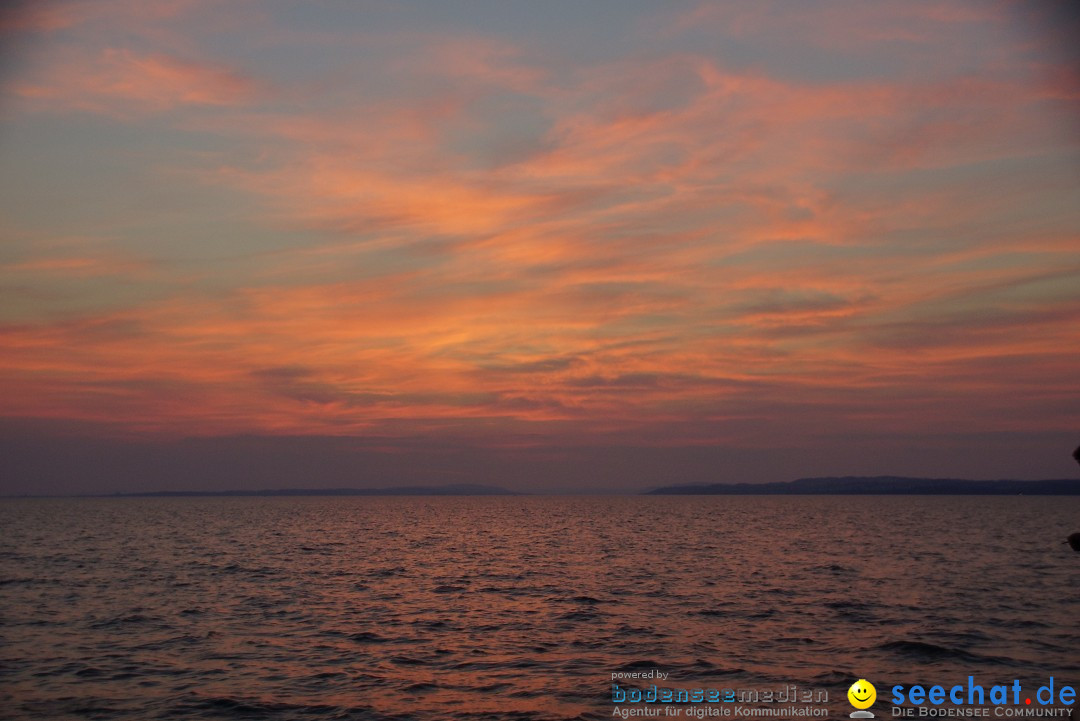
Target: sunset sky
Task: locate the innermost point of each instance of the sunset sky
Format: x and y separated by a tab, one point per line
556	246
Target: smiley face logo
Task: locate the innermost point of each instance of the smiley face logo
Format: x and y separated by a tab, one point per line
862	694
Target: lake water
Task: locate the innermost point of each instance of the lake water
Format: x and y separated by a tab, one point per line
518	607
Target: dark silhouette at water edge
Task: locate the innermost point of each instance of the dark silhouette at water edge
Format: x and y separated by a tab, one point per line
1074	539
882	485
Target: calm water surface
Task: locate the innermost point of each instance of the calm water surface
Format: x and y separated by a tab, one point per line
517	608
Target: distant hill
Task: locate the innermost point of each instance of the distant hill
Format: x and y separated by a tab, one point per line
461	489
879	485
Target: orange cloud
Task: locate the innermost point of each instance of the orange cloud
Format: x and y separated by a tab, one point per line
668	250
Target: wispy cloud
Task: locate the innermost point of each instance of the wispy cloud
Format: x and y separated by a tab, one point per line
121	83
445	233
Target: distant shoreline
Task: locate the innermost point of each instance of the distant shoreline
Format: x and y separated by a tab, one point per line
827	486
463	489
878	486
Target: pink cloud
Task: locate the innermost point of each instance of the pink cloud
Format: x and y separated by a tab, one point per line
79	266
122	83
681	241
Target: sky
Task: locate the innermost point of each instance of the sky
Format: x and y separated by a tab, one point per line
554	246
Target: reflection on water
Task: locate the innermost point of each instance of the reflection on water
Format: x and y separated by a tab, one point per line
507	607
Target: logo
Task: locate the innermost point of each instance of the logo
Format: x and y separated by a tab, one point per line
862	695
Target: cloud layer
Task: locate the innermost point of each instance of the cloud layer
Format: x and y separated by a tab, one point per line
725	226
